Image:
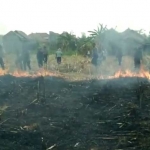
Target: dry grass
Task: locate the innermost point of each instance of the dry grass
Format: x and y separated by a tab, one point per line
80	66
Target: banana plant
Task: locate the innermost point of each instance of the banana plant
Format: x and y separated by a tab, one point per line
98	35
84	43
81	41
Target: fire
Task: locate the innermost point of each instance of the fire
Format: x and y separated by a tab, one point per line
2	72
127	73
18	73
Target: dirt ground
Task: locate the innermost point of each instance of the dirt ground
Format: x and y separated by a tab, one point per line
54	113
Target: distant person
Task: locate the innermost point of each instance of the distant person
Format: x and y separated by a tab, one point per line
58	55
40	57
19	61
26	59
100	57
88	54
104	54
95	56
1	57
119	57
138	58
45	55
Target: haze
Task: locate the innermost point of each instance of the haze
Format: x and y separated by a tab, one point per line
72	15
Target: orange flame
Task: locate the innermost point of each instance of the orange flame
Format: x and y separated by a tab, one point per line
18	73
127	73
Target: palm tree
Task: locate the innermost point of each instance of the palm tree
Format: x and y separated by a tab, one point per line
99	34
141	31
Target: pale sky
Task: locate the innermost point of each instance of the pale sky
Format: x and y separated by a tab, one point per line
73	15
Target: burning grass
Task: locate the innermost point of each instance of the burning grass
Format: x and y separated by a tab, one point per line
78	68
79	76
33	74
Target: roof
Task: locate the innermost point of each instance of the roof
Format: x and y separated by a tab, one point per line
112	34
53	34
53	37
133	35
39	36
20	34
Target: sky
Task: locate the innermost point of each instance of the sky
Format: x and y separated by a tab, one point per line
77	16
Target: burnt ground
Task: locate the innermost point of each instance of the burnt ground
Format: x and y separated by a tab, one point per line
53	113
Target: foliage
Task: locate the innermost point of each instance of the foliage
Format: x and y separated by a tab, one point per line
67	40
103	38
99	34
84	44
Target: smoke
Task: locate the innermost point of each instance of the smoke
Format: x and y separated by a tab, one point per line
116	43
126	41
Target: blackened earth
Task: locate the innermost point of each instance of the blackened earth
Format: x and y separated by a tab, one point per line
41	113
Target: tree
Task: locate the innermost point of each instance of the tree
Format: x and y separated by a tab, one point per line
141	31
99	34
84	44
67	41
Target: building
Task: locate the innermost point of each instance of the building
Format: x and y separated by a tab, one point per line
132	39
39	37
126	41
14	41
53	39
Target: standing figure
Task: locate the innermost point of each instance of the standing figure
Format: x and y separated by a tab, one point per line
100	57
119	56
19	62
137	58
26	59
40	57
95	56
88	54
104	54
58	56
1	57
45	55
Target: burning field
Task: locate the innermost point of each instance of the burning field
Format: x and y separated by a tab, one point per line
120	73
50	112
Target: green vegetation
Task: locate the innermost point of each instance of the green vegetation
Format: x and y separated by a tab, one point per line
104	38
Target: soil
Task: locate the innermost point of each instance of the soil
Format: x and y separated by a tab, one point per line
54	113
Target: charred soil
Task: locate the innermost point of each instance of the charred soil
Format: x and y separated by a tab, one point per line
53	113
